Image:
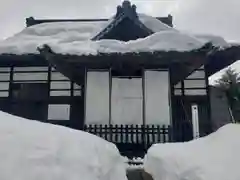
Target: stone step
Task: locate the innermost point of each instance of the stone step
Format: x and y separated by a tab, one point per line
138	174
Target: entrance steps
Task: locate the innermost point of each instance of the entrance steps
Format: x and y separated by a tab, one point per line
138	174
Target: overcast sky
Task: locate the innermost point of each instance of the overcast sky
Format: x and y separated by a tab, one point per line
219	17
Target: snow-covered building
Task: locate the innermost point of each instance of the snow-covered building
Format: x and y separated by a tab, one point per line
131	69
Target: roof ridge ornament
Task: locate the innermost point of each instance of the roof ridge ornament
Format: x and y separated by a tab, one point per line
127	9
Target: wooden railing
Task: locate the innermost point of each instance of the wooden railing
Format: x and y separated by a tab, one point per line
147	134
134	140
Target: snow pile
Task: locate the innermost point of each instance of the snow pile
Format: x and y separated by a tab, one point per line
31	150
215	157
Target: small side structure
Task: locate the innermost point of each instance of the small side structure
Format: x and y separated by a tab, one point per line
219	107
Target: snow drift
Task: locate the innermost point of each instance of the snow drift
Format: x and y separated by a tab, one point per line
215	157
31	150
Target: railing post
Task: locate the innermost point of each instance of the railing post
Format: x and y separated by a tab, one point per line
111	132
105	132
132	133
158	134
126	134
147	128
143	137
170	135
137	134
116	133
85	128
153	134
90	128
164	133
100	131
121	134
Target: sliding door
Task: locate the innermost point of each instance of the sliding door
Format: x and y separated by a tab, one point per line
157	106
127	101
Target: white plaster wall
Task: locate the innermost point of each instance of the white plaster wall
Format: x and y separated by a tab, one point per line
157	106
97	98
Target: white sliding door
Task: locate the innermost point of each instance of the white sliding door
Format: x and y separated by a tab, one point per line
157	110
126	101
97	98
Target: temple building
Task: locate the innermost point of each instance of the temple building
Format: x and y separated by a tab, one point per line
132	74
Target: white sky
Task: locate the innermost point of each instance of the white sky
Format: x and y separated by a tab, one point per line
218	17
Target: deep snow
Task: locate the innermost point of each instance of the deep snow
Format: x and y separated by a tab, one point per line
215	157
31	150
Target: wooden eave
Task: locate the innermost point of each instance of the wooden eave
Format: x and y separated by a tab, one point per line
181	63
222	58
22	60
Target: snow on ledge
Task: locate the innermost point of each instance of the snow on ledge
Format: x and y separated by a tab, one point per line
165	41
31	150
215	157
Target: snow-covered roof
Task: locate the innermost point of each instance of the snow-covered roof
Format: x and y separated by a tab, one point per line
75	38
215	40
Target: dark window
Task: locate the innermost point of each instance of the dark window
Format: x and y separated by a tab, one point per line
29	91
29	100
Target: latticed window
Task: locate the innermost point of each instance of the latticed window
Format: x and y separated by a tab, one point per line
194	85
4	81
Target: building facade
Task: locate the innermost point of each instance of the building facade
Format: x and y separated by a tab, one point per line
134	95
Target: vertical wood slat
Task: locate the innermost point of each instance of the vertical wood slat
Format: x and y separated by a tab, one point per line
105	132
111	133
121	134
137	134
147	135
95	129
158	133
164	133
132	130
100	131
116	133
127	134
153	134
